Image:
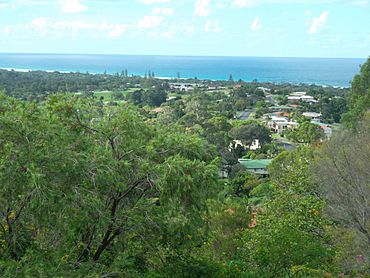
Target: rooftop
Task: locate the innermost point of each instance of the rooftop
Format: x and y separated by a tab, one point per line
255	163
281	107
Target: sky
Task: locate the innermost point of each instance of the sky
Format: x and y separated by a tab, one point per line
268	28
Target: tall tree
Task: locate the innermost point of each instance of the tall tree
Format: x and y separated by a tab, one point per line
359	98
82	184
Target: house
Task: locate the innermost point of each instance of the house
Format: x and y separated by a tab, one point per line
256	166
279	127
278	124
280	108
295	106
264	90
235	143
327	128
301	96
308	99
294	98
313	116
183	87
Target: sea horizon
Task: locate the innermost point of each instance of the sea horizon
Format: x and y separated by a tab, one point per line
337	72
177	55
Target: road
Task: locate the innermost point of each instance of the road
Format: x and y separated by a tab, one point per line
245	114
283	143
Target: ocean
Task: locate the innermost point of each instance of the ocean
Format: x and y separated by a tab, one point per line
320	71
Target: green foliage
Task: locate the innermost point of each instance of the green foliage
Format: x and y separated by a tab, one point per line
249	132
359	98
291	170
306	133
290	234
89	189
84	183
216	131
154	97
135	97
342	173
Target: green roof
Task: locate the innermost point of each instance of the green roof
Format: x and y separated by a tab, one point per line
281	107
255	163
320	123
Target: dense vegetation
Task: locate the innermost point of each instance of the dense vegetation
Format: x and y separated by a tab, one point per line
91	188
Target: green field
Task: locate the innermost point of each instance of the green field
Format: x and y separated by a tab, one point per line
108	94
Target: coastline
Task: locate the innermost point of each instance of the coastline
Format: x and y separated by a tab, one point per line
22	70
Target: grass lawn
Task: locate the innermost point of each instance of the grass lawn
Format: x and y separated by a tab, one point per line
108	94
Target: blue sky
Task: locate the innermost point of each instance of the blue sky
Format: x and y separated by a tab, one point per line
277	28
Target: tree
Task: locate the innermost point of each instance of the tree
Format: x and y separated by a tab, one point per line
135	97
342	171
307	132
117	96
292	170
333	108
359	98
250	132
216	131
154	97
104	177
290	232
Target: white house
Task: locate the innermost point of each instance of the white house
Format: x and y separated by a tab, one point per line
297	96
235	143
313	116
308	99
184	87
279	124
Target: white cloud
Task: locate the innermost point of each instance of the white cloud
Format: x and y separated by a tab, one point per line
318	22
150	2
68	28
256	24
359	3
164	11
187	29
201	8
40	22
113	30
245	3
212	26
164	35
72	6
150	21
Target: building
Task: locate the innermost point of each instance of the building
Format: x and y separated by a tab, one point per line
279	124
183	87
327	128
281	108
264	90
256	166
235	143
313	116
308	99
301	96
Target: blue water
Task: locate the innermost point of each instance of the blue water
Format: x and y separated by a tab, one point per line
320	71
